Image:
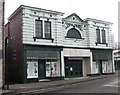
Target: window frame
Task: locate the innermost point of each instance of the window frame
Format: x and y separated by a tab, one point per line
49	29
98	37
39	28
103	36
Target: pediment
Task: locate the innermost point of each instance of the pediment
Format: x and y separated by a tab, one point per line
73	18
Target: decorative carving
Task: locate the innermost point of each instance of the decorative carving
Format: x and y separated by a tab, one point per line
67	25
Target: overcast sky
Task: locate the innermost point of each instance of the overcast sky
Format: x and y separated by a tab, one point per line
106	10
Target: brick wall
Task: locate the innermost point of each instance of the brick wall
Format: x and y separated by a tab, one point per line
15	42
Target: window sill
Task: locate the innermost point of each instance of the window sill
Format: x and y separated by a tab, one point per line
101	43
42	38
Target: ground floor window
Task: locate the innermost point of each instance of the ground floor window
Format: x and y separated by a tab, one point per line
32	69
94	67
105	66
53	68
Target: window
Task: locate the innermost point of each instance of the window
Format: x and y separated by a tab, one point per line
47	29
103	36
73	33
38	28
98	35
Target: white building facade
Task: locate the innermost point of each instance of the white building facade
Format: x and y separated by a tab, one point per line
56	48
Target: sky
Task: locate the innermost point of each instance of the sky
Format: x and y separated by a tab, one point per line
106	10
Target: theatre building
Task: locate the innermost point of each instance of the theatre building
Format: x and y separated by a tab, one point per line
46	46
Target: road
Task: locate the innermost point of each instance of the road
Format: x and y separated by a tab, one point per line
106	85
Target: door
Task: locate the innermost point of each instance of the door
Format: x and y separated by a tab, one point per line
100	66
73	68
42	69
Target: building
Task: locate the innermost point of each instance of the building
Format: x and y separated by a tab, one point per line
44	45
1	43
117	59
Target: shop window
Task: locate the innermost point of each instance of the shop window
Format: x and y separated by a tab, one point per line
32	70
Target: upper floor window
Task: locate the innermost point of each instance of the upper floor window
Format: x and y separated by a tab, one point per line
98	35
47	29
103	36
38	28
73	33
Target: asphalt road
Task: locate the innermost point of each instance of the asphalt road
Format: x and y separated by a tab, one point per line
106	85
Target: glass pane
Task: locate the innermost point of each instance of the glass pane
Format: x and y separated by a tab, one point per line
98	35
47	29
38	28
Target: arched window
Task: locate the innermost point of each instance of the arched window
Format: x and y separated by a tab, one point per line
73	33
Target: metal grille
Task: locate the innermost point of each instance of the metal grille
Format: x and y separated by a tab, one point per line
37	54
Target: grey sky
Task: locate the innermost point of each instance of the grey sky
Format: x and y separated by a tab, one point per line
106	10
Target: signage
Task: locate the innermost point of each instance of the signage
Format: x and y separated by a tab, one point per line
75	58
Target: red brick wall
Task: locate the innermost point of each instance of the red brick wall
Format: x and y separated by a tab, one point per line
15	40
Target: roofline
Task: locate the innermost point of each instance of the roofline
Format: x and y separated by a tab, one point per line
99	21
34	8
75	15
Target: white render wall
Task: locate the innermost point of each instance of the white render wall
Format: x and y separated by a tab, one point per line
59	31
29	28
92	35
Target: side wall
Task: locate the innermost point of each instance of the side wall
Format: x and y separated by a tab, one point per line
15	42
92	26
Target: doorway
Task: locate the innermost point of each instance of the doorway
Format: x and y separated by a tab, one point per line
73	68
42	69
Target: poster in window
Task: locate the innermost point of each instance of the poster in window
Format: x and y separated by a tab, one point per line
52	69
32	70
48	70
94	67
55	69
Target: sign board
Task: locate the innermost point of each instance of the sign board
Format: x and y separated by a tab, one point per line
32	69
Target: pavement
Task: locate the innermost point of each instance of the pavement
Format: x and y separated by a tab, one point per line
44	86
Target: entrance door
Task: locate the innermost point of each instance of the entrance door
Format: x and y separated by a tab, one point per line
100	66
73	68
42	70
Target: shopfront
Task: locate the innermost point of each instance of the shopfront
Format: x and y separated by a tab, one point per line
43	63
73	67
102	62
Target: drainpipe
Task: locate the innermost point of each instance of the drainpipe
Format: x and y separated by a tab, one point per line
3	46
